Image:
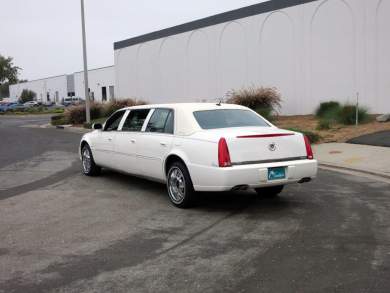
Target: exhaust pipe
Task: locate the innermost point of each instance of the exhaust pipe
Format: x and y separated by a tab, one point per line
304	180
240	187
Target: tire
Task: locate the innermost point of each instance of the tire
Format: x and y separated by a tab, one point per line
270	192
179	186
88	163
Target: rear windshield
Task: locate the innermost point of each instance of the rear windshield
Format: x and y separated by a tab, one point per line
225	118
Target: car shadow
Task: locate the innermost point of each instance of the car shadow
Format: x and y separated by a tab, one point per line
207	201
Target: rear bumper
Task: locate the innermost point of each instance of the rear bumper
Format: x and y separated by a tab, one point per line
256	175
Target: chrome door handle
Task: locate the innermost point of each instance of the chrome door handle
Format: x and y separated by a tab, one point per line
163	143
132	140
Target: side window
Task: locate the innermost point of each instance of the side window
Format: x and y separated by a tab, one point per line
113	122
135	120
169	126
161	121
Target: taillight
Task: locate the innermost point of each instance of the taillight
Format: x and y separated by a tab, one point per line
309	151
223	154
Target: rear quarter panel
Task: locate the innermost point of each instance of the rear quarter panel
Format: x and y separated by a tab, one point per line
198	155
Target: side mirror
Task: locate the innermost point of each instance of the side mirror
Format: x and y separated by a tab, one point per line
97	126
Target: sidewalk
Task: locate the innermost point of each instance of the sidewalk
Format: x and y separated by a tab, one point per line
362	158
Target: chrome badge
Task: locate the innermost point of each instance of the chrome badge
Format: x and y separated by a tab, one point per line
272	147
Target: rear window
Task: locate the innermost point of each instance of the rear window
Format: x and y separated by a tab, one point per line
225	118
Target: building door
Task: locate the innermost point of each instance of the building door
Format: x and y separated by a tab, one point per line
104	94
57	97
111	91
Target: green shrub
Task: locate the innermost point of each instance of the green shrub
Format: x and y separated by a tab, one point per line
347	114
263	100
27	96
76	114
328	110
324	124
313	137
59	120
266	113
57	110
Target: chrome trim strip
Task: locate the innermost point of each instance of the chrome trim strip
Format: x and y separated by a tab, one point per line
269	161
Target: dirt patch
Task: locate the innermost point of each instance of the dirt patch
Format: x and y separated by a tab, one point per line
338	133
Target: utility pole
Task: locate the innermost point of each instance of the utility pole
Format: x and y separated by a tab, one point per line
357	109
87	106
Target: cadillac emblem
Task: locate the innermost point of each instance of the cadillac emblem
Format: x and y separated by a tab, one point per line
272	147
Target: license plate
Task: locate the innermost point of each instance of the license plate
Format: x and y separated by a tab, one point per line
276	173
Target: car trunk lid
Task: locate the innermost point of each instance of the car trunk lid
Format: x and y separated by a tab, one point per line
250	145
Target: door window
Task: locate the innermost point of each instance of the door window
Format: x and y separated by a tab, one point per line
135	120
113	122
161	121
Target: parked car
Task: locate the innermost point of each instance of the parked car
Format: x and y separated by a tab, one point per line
72	101
31	104
16	107
4	106
11	106
199	147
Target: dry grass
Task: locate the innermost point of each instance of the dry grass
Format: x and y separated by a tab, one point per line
338	133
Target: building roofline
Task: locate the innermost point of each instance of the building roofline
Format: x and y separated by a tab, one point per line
247	11
96	68
38	79
54	76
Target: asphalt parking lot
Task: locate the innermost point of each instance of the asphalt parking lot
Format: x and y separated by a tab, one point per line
64	232
381	138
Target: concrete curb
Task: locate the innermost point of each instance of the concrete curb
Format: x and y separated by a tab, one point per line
73	129
385	176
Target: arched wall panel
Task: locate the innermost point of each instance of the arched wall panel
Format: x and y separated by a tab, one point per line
277	60
383	56
233	60
198	59
145	68
172	70
332	53
125	72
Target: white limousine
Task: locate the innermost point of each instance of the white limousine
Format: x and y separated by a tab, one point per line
199	147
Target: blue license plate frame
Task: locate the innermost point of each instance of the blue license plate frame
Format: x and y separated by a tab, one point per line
276	173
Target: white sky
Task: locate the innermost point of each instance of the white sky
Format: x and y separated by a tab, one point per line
44	36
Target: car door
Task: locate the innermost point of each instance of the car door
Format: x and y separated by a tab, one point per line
127	140
103	145
155	142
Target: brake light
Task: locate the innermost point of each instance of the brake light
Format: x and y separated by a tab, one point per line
223	154
309	151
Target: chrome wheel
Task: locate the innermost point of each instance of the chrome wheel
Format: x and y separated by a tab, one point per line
86	159
176	185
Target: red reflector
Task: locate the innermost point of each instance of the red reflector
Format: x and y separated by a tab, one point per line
265	135
309	151
223	154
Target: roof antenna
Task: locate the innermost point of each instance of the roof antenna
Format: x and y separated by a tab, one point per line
220	102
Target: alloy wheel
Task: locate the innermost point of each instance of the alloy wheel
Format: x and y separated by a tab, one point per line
176	185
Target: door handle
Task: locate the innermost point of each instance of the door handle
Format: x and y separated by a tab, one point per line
163	143
132	140
110	139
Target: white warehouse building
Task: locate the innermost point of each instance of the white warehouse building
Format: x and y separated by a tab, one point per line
48	90
101	83
55	89
310	50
